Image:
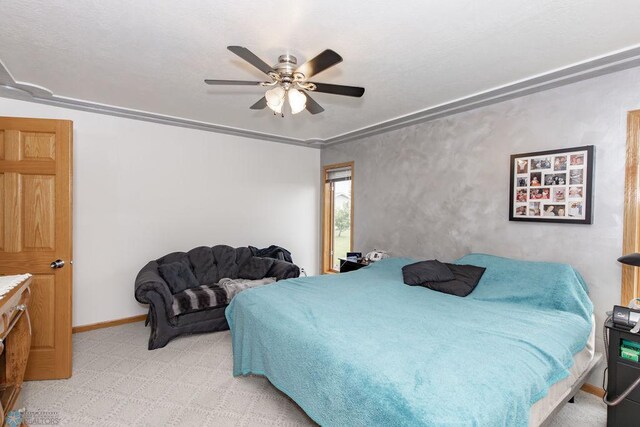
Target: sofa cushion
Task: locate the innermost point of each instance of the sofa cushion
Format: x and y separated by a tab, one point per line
178	275
204	265
172	257
225	257
210	265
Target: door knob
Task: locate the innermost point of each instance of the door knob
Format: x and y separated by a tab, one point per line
57	263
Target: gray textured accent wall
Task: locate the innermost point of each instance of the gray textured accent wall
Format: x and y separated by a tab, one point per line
441	189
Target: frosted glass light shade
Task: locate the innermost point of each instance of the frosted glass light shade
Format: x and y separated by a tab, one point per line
297	100
275	98
276	108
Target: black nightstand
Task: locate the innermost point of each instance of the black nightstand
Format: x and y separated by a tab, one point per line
346	265
622	372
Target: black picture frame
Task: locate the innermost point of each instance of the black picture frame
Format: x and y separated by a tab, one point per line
553	186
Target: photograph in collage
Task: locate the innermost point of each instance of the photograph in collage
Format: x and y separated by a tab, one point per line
577	160
522	166
560	163
555	179
536	179
576	176
554	210
575	209
541	163
534	209
559	194
539	193
575	192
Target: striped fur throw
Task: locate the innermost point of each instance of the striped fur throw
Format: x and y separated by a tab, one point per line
214	295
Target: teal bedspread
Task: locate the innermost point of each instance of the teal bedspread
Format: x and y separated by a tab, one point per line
363	348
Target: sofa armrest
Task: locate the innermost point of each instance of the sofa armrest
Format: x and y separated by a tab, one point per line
149	280
283	270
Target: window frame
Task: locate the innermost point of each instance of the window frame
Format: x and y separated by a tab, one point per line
630	286
328	213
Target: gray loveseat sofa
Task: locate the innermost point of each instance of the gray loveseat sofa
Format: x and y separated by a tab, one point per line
207	265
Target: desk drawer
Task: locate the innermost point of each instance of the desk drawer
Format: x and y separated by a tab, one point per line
626	414
625	376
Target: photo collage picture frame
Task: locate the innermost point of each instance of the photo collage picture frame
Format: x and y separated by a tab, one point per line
552	186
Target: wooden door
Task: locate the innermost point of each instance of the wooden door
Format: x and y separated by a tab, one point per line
35	230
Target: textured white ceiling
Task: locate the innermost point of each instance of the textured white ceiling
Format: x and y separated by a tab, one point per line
409	55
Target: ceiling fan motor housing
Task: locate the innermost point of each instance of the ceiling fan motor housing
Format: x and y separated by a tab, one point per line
286	65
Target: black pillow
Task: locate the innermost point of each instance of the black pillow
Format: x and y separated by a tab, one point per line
178	276
465	281
426	271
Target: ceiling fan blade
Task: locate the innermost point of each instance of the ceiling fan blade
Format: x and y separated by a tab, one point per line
232	82
251	58
261	104
326	59
312	106
339	89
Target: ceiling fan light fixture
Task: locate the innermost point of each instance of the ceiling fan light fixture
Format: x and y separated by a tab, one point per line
297	100
275	98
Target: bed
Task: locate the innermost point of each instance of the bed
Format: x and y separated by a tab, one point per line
363	348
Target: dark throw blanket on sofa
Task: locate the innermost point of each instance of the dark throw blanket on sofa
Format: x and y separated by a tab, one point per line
214	295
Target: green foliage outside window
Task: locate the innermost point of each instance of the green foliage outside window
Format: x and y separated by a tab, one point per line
342	219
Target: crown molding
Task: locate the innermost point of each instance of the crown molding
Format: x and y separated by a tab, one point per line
617	61
607	64
10	88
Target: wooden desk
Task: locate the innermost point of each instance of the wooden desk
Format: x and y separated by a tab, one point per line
346	265
15	338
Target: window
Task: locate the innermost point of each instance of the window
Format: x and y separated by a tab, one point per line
337	216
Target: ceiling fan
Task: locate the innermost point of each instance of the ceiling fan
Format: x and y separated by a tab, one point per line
291	81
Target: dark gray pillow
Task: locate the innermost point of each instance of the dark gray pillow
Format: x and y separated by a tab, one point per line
178	276
426	271
465	281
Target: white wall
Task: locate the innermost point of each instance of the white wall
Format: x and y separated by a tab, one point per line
141	190
441	189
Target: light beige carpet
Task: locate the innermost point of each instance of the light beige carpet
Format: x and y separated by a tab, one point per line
117	382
